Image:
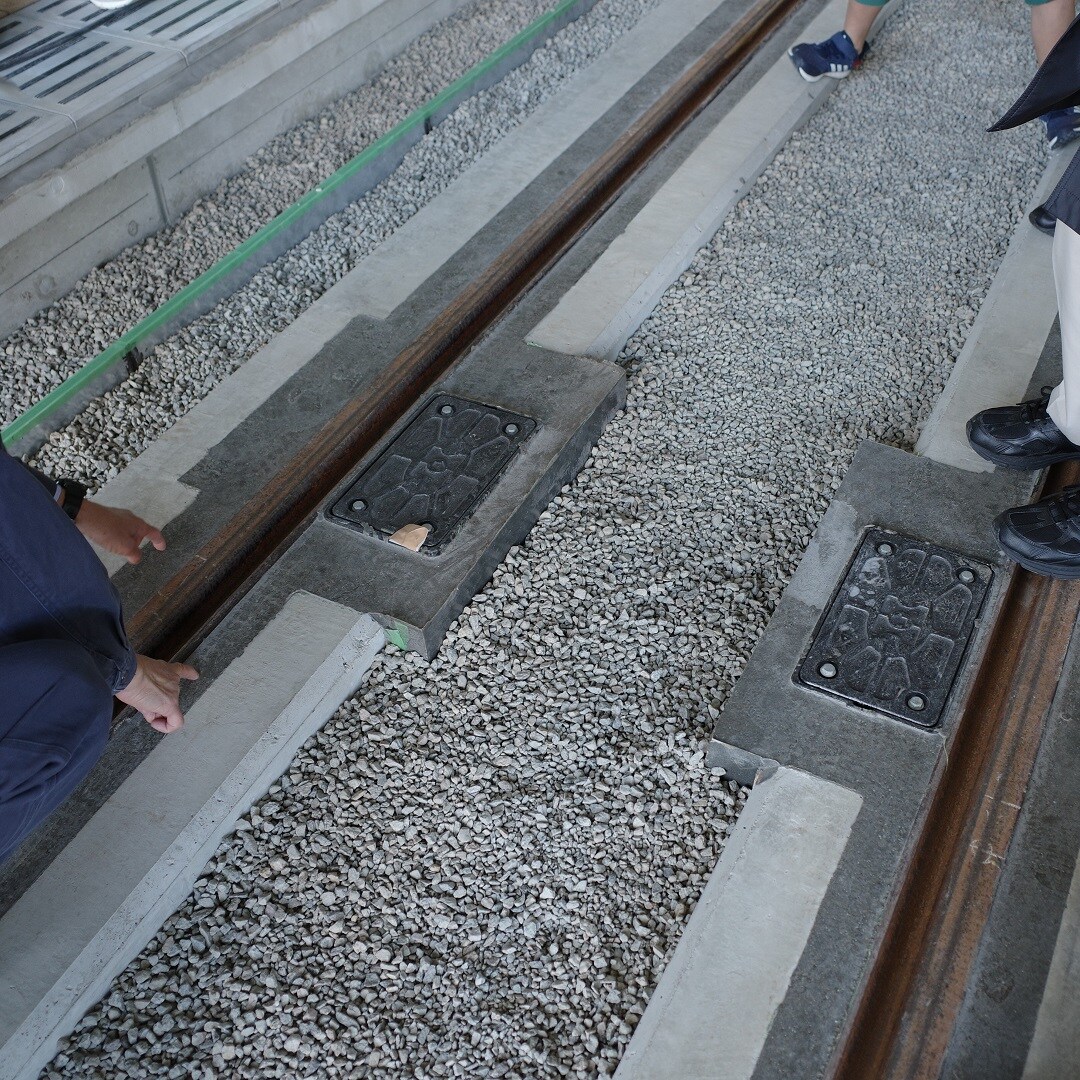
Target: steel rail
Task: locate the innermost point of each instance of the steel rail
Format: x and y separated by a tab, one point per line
202	592
909	1006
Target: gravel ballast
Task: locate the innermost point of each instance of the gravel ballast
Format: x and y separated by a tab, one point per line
183	370
481	864
61	338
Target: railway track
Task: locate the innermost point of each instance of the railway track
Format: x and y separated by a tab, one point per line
905	1017
189	606
902	1021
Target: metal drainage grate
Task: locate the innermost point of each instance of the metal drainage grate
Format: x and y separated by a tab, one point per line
70	59
435	471
25	130
70	72
895	631
187	26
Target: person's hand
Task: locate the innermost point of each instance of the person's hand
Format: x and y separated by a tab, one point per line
155	692
116	530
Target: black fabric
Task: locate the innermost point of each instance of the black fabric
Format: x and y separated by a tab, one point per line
54	724
47	482
1056	85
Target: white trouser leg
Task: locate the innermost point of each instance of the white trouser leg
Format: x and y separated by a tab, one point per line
1064	405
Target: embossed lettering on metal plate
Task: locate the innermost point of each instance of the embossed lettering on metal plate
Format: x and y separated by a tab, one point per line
435	471
895	632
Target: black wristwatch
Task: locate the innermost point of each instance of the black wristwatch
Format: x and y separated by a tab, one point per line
74	493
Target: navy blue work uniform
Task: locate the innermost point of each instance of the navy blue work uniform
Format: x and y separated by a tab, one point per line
63	653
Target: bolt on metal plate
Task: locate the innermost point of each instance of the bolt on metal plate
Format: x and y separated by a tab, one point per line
895	632
435	471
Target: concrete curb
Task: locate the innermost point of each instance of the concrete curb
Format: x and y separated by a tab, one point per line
106	895
731	969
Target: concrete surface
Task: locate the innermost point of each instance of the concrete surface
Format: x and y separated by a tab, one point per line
1055	1045
716	1000
106	894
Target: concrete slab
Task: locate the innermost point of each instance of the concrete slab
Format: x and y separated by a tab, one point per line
418	596
769	719
393	272
731	969
602	310
106	894
767	715
1055	1046
152	481
1005	342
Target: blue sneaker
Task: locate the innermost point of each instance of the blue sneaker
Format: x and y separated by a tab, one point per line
835	58
1062	126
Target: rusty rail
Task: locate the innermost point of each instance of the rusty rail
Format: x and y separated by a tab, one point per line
201	593
909	1006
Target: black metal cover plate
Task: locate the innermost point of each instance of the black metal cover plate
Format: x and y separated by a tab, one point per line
435	471
895	632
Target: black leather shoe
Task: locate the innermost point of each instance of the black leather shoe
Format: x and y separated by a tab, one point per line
1045	536
1020	436
1042	220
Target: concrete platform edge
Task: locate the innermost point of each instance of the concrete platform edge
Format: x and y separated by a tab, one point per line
142	173
1004	344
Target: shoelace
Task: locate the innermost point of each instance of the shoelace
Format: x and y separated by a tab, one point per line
831	51
1064	507
1030	410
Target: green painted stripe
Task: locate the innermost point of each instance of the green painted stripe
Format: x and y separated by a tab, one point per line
172	307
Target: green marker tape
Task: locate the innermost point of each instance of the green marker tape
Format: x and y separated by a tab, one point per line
250	248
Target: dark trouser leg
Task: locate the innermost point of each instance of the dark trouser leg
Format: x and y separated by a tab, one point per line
55	711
